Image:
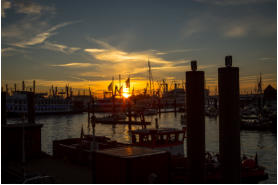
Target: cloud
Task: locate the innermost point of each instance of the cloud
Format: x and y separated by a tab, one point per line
26	7
112	54
237	31
95	50
118	61
29	7
166	52
59	47
136	63
4	6
41	37
268	59
194	25
74	64
7	51
102	43
38	39
10	51
229	27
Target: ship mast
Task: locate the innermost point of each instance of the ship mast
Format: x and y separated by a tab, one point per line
150	77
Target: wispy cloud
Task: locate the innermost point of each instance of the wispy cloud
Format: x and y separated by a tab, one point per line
211	23
41	37
59	48
5	4
29	7
7	51
74	64
135	63
102	43
236	31
112	54
25	7
166	52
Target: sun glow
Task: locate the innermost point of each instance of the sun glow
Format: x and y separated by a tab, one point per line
126	93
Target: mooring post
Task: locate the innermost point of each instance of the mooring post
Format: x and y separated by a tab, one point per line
89	116
156	123
159	105
113	104
31	106
3	108
175	107
229	122
195	124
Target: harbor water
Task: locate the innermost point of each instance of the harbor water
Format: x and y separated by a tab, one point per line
69	126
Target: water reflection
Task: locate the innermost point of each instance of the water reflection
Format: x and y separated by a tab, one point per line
69	126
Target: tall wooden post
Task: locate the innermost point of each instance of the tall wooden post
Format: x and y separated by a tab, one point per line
3	108
195	124
229	122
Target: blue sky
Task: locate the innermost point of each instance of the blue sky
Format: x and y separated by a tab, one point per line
85	43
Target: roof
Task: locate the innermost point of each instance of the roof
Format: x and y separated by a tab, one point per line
130	152
159	131
20	125
269	88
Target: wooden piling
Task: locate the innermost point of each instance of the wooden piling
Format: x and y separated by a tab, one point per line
3	108
195	126
229	122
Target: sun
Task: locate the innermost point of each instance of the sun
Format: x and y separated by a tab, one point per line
125	93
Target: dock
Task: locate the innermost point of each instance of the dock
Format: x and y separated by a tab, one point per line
124	122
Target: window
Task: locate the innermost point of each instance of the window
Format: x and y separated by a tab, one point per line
172	138
181	137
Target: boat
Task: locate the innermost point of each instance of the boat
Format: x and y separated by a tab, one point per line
148	112
79	150
183	120
251	171
211	111
169	139
106	105
16	104
254	122
111	118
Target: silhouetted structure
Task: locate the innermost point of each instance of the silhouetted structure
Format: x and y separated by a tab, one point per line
195	124
31	107
3	108
21	142
270	93
229	122
132	164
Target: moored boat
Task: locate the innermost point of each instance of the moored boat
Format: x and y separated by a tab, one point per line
16	104
169	139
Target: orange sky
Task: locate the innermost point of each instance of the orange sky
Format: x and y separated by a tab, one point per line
246	85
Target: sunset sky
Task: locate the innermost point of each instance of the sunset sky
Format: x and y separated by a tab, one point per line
85	43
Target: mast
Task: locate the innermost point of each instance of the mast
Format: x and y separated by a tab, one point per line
34	86
260	94
113	97
23	86
113	86
150	76
7	89
120	85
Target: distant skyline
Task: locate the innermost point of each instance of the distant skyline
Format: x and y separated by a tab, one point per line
85	43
